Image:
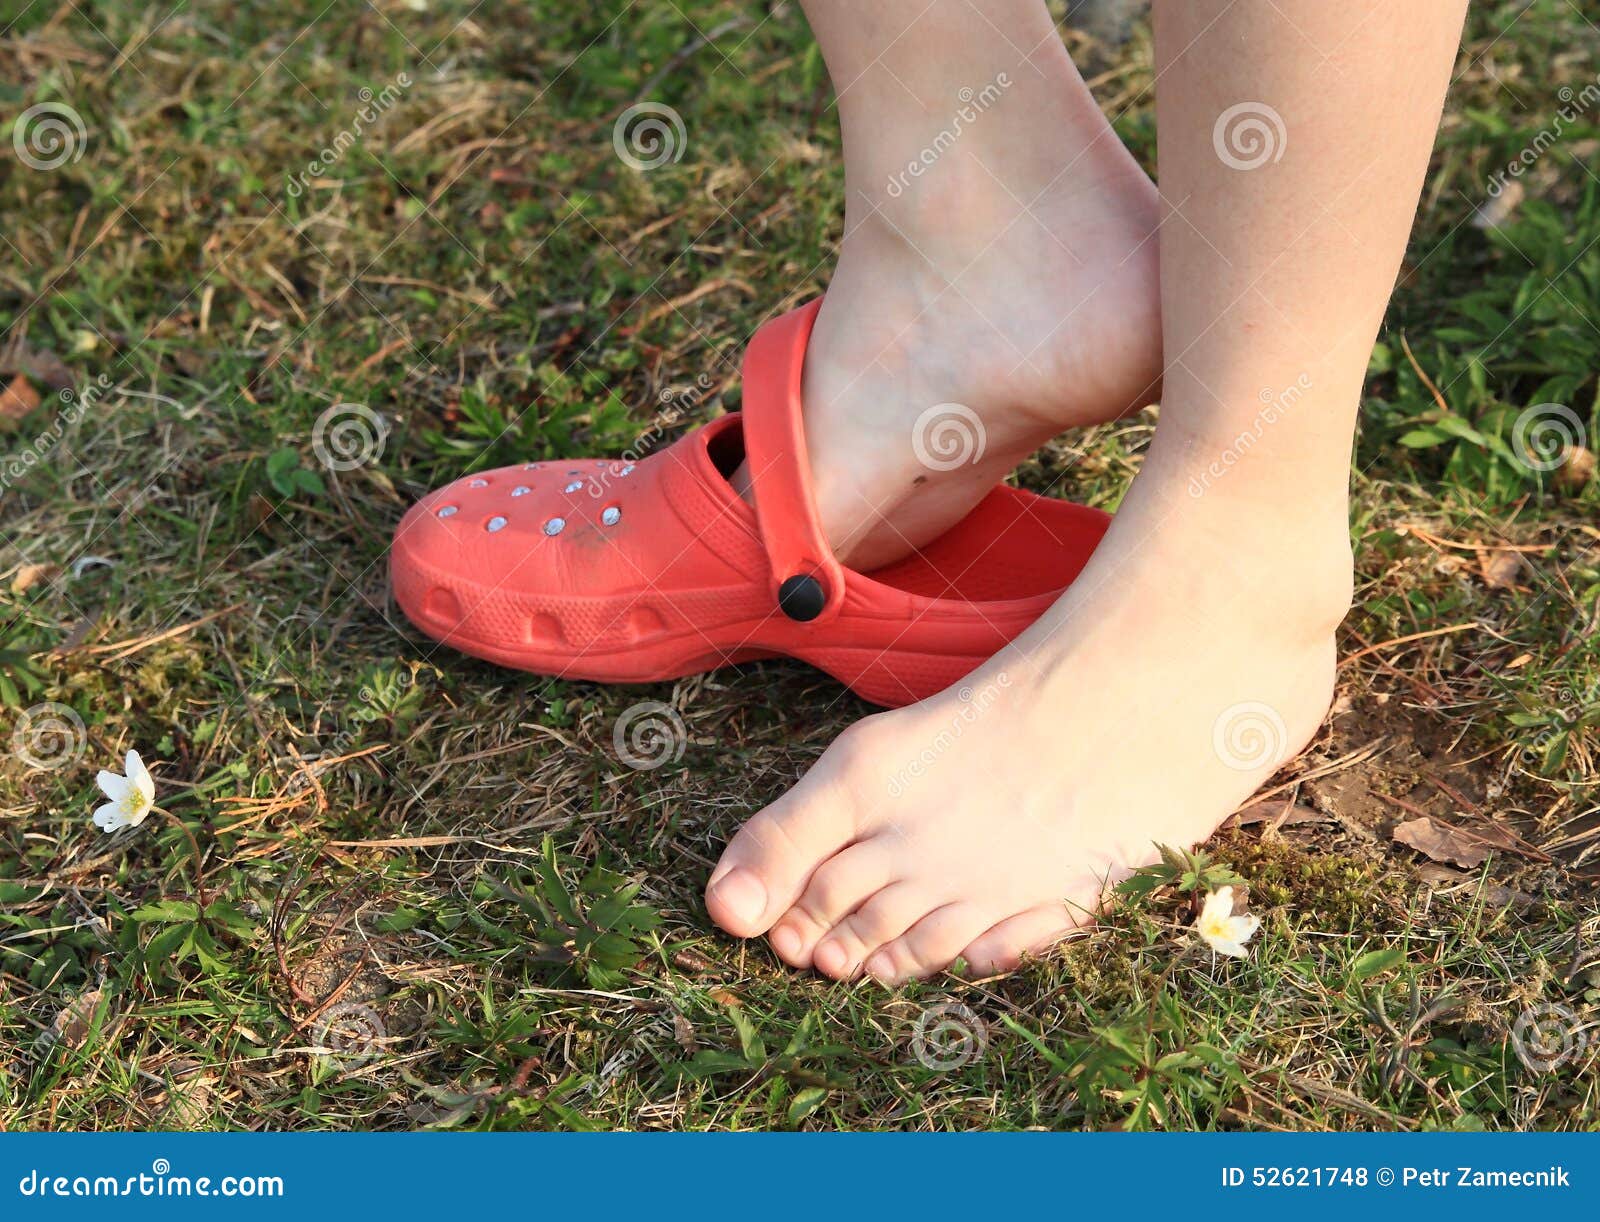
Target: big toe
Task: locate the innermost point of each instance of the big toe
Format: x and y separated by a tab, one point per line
766	865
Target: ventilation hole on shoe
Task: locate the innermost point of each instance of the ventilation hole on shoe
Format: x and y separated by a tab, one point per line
573	486
530	466
555	526
440	604
543	628
521	490
477	483
611	515
628	470
572	472
449	511
643	621
495	523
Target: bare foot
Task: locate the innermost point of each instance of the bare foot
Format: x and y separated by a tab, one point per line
1192	657
990	307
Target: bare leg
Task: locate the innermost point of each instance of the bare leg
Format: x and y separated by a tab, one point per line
1195	654
999	253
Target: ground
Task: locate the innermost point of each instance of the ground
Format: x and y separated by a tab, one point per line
436	893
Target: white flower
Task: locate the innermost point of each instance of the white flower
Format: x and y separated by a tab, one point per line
1223	932
132	796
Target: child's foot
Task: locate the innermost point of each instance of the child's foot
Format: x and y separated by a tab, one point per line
1007	296
1192	657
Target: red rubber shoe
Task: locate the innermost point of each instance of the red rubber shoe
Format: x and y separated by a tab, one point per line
634	572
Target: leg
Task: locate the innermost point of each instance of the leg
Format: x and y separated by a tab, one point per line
1195	654
998	253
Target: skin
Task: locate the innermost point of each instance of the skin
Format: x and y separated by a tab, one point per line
1195	654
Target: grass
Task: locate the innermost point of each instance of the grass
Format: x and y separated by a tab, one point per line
434	896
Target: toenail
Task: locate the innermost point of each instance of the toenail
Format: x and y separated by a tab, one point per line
831	959
786	941
741	893
880	966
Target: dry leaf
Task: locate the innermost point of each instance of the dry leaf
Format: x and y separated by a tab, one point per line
43	367
1576	469
1500	569
683	1032
17	401
1276	814
30	575
1443	841
71	1025
690	960
1445	880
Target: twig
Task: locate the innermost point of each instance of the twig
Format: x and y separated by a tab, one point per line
686	52
1402	640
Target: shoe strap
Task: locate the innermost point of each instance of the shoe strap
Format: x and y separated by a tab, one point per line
807	581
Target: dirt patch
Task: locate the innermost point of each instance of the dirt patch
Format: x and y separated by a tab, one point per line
1382	764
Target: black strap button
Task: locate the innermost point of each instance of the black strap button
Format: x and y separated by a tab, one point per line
802	598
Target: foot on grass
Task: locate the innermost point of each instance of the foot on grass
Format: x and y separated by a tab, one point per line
1193	656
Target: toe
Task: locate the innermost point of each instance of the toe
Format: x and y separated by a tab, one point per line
838	887
884	917
1002	948
767	863
930	945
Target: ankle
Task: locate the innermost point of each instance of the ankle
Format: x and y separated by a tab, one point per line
1283	557
950	185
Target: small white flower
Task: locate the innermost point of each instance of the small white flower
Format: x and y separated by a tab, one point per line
1223	932
132	796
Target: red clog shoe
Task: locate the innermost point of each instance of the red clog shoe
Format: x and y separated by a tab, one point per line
634	572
